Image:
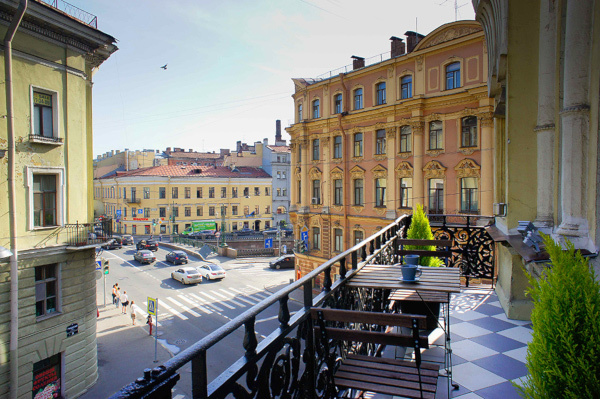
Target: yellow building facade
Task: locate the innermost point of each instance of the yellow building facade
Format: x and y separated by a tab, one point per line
48	286
167	199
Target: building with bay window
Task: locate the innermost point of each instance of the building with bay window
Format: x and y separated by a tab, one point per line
369	144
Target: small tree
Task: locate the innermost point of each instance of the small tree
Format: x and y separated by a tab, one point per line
563	357
421	230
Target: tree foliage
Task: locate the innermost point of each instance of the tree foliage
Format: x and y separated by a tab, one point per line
563	357
421	230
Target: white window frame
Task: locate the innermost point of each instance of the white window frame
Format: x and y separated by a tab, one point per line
55	102
60	194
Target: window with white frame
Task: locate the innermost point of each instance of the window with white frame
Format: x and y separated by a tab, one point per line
380	186
380	93
338	192
316	109
46	197
468	195
316	238
44	116
453	76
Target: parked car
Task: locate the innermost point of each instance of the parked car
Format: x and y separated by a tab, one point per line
211	271
176	257
127	240
187	275
114	243
144	256
245	232
147	244
285	261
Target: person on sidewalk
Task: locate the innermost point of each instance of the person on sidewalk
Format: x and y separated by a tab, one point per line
132	313
114	293
149	322
118	298
124	302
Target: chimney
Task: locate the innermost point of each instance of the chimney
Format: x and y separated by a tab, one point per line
168	149
357	62
412	39
398	46
191	150
265	142
277	131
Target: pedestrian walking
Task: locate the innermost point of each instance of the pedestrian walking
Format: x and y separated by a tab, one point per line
114	293
149	322
118	298
132	313
124	302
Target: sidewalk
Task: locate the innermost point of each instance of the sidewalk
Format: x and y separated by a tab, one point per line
124	350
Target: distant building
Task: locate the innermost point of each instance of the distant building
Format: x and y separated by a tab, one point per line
48	286
369	144
178	156
276	162
111	162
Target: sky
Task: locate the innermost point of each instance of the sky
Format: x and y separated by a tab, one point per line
230	63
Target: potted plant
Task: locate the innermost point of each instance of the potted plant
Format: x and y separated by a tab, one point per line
563	357
421	230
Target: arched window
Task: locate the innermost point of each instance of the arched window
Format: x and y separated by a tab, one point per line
469	132
406	86
453	75
316	109
337	103
380	92
435	135
300	112
358	99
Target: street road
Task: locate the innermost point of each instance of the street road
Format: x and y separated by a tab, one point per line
187	313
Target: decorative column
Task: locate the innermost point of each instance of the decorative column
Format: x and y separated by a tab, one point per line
391	194
487	164
418	153
575	119
545	119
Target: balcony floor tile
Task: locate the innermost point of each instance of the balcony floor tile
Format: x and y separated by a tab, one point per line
504	390
474	377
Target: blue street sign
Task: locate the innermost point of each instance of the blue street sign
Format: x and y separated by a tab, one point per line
269	243
304	236
118	213
98	265
140	211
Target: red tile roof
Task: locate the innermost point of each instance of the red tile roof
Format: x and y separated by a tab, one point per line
279	148
194	155
244	172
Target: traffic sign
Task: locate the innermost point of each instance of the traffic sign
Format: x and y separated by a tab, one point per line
304	236
284	249
269	243
152	306
118	213
99	265
140	211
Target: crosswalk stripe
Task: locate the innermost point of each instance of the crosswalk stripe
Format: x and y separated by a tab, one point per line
228	298
254	288
236	297
258	294
196	304
176	313
215	299
182	306
245	294
207	304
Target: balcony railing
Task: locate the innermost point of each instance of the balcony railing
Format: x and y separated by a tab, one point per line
75	12
284	364
133	200
84	234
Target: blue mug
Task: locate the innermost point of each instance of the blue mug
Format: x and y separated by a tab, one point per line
410	272
411	259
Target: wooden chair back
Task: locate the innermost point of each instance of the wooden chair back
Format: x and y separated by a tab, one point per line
444	253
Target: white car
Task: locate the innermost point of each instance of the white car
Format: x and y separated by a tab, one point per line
187	275
210	271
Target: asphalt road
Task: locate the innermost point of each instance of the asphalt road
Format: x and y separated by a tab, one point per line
187	313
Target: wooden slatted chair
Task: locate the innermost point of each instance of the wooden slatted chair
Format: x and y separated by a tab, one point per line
411	379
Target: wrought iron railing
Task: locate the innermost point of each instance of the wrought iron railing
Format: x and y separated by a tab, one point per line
82	234
285	363
75	12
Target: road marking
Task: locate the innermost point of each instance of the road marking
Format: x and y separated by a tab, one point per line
260	295
203	301
176	313
180	396
246	295
228	298
182	306
215	299
196	304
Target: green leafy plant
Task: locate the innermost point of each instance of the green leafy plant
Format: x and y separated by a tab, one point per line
563	357
421	230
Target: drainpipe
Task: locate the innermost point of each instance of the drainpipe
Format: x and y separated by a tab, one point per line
14	269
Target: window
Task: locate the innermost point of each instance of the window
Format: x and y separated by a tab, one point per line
43	115
468	194
246	192
175	229
405	139
211	211
316	238
284	192
300	112
278	174
337	104
338	244
223	210
174	192
162	193
199	211
133	193
435	135
316	191
188	192
176	211
406	192
380	93
44	200
316	109
246	210
337	147
358	192
125	212
46	377
268	209
133	212
358	145
234	210
358	236
380	185
469	132
146	192
188	211
198	192
234	192
211	192
46	290
406	87
281	210
338	192
146	212
162	212
279	192
358	99
223	192
256	210
267	192
453	76
436	196
257	191
315	148
380	142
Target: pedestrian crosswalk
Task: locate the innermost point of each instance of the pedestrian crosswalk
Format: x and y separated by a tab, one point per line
256	269
194	304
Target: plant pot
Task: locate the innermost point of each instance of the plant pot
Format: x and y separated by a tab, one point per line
429	309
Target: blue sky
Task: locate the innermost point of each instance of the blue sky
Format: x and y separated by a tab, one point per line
230	63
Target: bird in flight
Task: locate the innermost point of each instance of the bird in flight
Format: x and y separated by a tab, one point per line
164	67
